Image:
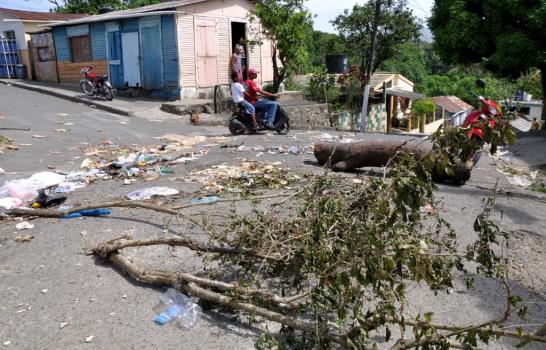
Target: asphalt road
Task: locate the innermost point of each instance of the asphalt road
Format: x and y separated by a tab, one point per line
50	281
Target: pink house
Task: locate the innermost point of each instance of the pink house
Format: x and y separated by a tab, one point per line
207	31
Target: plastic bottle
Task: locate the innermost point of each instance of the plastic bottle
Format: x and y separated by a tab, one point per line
177	307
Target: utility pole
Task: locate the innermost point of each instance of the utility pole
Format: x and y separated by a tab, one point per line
369	70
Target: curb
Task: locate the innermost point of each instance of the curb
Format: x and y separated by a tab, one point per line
46	91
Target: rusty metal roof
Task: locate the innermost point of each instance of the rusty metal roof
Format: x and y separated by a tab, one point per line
40	16
452	104
133	12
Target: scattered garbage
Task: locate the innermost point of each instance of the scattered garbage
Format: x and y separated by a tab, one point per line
250	174
90	338
24	238
149	192
15	193
24	225
177	307
205	200
39	136
66	187
518	180
64	324
91	212
276	150
45	201
187	141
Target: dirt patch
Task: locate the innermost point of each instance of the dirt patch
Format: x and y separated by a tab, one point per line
527	260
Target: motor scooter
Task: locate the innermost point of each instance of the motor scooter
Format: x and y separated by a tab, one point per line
241	122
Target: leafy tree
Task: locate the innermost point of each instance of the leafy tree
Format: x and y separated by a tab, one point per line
397	25
506	35
321	44
286	23
410	62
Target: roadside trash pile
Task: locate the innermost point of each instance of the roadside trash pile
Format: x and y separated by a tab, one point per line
517	177
276	150
238	179
148	163
147	193
176	307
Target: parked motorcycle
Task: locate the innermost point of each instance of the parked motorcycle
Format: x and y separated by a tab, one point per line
241	123
94	85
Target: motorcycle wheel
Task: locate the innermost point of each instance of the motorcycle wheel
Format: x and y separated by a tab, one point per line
87	88
236	127
108	93
284	128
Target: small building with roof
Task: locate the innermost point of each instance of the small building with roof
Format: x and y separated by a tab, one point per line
15	28
171	50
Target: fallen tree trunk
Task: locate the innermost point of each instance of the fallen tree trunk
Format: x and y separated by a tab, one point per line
378	153
348	156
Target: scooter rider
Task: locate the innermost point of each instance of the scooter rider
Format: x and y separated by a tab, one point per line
254	91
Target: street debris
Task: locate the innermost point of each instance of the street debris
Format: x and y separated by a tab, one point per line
149	192
518	180
249	175
274	150
177	307
64	324
205	200
39	136
186	141
90	212
24	238
15	193
89	339
43	291
24	225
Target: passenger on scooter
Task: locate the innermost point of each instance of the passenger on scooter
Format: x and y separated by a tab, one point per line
253	93
238	94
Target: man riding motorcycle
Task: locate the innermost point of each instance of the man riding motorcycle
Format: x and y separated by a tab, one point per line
268	107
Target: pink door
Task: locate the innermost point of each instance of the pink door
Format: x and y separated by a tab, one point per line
207	65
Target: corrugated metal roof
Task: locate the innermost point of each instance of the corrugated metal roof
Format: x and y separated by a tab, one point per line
127	13
406	94
452	104
40	16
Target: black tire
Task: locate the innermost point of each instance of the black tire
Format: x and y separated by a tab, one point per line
108	93
87	88
284	128
236	127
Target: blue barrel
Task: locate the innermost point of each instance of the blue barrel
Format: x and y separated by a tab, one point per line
336	64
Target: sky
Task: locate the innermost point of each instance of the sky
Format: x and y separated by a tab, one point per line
325	10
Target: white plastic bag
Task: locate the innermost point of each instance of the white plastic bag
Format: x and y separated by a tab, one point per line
147	193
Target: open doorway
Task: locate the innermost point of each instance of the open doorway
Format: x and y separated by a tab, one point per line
238	32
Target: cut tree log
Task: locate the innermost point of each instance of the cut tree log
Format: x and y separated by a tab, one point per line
350	156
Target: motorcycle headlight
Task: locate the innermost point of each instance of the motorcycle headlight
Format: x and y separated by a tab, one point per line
493	111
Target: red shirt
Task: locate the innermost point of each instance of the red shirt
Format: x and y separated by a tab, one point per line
252	90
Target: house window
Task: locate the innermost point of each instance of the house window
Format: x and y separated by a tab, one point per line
80	48
10	34
44	54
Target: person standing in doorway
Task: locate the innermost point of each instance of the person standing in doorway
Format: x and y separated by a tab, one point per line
238	63
254	92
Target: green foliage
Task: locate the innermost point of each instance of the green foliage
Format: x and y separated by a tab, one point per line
351	86
410	61
286	23
322	87
321	44
459	83
530	83
423	106
507	36
396	22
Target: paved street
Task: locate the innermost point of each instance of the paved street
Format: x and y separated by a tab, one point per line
50	280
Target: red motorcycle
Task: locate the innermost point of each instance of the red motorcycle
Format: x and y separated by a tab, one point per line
93	84
477	120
